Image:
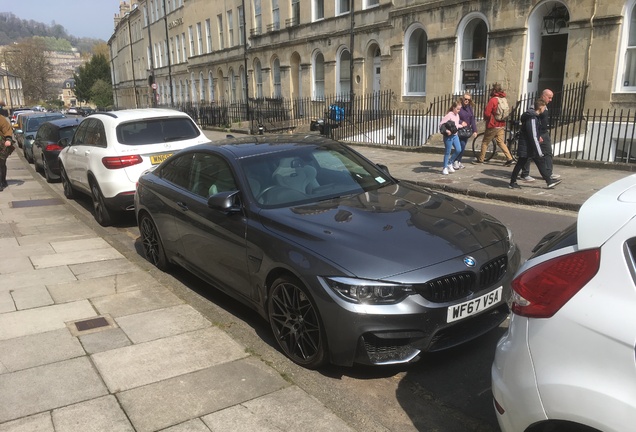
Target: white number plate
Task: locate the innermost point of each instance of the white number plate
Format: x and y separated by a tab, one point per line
471	307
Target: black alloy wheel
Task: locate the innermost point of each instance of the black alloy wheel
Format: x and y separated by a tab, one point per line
151	242
296	324
66	184
103	215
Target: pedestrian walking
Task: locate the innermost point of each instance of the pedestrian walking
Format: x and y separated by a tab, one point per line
529	147
467	116
545	139
6	148
495	115
448	127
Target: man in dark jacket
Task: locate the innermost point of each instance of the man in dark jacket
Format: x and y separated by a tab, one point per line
546	140
495	129
529	146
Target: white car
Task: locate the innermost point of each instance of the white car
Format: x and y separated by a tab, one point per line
110	150
567	360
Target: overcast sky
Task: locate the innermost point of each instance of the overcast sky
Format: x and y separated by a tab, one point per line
80	18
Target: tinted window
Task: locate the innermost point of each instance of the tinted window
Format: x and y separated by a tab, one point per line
66	132
95	135
211	175
152	131
78	138
177	170
44	133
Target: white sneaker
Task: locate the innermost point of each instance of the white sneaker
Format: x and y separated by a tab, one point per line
455	166
527	179
445	171
555	176
460	165
450	168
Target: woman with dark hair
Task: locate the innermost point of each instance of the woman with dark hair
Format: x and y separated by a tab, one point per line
467	116
448	127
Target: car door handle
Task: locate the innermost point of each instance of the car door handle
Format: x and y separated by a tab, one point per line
183	206
87	152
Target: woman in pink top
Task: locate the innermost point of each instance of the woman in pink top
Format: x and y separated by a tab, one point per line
448	127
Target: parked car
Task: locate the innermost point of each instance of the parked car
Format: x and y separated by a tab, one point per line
567	360
15	112
51	137
347	264
30	126
19	126
110	150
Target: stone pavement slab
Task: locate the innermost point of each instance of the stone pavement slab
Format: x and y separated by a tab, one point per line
176	400
35	423
102	414
132	302
74	257
47	387
137	365
53	275
100	286
39	349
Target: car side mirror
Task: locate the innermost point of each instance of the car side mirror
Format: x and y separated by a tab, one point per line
225	202
384	168
63	142
20	131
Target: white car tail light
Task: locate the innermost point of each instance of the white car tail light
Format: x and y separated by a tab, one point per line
542	290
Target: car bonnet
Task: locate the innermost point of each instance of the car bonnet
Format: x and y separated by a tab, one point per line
393	230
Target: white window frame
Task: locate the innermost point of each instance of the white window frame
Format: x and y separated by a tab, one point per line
258	78
241	25
343	75
275	15
230	29
219	20
463	61
317	10
410	70
277	89
343	7
371	4
199	39
208	35
177	50
318	77
191	39
627	53
258	17
184	48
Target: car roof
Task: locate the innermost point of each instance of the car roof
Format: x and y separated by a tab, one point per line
65	122
139	113
260	144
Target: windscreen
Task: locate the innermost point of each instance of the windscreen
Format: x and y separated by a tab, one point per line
153	131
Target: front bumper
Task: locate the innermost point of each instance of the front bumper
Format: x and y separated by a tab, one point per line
398	333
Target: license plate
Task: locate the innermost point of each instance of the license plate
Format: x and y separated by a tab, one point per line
158	158
474	306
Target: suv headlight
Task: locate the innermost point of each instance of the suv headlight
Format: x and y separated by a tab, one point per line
368	291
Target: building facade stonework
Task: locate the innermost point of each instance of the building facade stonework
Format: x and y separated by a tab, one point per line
170	52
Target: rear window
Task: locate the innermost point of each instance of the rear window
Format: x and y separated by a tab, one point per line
67	132
153	131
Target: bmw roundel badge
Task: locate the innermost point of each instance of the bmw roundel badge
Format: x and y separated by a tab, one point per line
469	261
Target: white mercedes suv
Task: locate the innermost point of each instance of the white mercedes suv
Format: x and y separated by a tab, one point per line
110	150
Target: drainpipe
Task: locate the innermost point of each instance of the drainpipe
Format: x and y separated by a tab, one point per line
132	61
589	48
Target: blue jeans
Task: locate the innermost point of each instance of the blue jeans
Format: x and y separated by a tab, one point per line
449	143
462	143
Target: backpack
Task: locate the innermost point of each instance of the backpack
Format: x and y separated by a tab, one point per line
503	110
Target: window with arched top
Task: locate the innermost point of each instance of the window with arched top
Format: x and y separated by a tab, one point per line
344	74
278	93
211	86
232	85
416	57
319	76
473	46
258	77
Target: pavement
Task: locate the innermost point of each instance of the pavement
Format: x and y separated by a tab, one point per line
91	341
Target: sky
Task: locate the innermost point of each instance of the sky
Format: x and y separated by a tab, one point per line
80	18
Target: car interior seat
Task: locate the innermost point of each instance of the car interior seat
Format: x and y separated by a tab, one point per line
294	174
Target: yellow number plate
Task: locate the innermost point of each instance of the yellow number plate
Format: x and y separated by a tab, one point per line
158	158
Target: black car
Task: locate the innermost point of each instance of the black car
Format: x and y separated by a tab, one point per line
346	263
49	141
31	125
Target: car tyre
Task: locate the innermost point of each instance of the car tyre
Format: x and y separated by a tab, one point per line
28	158
296	323
66	184
47	171
151	243
103	215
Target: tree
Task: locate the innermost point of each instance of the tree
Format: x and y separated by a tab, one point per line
28	60
102	94
95	69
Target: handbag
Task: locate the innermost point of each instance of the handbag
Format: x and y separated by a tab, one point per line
465	132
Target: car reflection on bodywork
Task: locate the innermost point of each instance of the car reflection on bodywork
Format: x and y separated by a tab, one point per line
347	264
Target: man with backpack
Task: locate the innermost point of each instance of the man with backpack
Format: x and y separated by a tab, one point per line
495	115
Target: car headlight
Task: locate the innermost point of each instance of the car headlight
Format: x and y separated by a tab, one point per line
368	291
